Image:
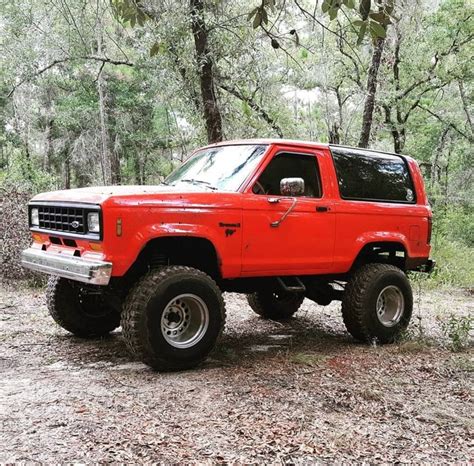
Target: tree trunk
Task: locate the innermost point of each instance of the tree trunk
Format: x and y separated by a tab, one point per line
336	127
371	91
465	105
334	136
254	106
67	169
109	160
49	145
137	168
104	133
212	114
437	153
48	150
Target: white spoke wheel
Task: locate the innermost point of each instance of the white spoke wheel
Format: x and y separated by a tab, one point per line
173	317
185	321
377	303
390	305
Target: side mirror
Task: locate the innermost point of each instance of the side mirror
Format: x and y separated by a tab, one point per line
292	187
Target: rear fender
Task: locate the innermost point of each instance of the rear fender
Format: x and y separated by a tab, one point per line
379	239
382	237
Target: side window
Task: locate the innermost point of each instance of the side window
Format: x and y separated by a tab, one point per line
377	177
286	165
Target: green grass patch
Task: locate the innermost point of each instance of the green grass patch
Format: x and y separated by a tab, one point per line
308	359
454	266
457	329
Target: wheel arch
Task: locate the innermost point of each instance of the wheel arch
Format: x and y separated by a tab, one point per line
388	252
194	251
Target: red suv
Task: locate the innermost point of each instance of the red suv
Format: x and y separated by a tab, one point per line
278	220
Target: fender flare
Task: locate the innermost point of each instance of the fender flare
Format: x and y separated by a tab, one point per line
378	237
173	230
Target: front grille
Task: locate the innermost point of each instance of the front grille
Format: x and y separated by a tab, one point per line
67	219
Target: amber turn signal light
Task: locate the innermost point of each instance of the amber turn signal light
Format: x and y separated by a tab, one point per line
37	238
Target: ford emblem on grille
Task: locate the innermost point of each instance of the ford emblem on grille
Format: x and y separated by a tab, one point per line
75	224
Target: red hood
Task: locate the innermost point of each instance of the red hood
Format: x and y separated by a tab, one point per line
137	195
99	194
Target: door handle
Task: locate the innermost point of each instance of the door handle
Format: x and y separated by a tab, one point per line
273	200
322	208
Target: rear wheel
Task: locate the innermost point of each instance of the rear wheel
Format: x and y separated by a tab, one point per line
377	303
173	317
275	305
81	309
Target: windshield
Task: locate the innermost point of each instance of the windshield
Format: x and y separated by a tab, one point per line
222	168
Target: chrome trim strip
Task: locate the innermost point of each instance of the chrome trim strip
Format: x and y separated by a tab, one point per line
66	234
72	204
74	268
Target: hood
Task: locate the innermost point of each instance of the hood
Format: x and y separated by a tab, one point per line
99	194
159	196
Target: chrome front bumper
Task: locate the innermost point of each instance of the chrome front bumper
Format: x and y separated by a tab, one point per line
74	268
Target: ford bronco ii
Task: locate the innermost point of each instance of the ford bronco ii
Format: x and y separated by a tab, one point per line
278	220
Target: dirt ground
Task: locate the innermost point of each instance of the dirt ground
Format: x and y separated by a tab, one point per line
300	391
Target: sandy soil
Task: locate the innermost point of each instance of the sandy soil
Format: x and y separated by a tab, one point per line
301	391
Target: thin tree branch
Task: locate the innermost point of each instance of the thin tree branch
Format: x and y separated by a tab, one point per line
316	20
447	123
454	47
404	119
465	105
254	106
357	79
64	60
288	54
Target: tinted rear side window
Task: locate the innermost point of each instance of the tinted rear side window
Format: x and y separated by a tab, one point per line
374	177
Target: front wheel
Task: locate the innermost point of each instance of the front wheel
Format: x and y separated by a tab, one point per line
377	303
173	317
81	309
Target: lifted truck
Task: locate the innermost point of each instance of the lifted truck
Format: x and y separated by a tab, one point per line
278	220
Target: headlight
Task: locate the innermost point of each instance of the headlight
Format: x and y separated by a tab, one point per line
93	224
34	218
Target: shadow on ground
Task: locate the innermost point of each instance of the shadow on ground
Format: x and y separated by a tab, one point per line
252	341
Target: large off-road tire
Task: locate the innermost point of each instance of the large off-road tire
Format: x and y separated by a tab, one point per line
173	317
80	308
275	306
377	303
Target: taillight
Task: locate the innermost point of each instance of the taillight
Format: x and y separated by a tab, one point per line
430	228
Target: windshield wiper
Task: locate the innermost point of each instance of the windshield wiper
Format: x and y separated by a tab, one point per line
194	181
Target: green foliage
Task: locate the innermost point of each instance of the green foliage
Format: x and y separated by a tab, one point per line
453	264
365	16
458	329
26	176
259	15
128	11
454	223
280	69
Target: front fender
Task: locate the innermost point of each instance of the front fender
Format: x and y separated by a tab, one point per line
124	250
161	230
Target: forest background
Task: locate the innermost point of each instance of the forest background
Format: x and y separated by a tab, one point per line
94	92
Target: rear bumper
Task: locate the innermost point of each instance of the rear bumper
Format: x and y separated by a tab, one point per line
429	266
74	268
426	267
